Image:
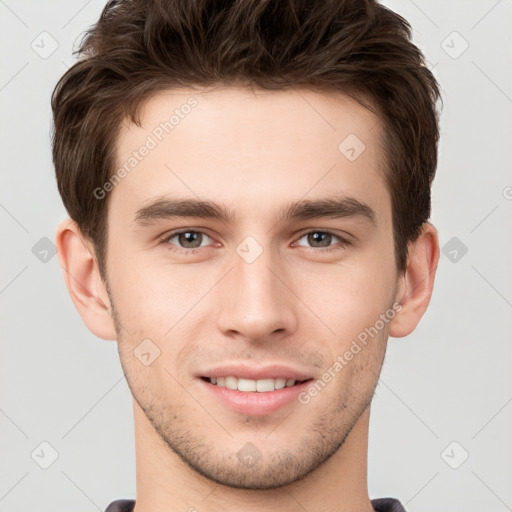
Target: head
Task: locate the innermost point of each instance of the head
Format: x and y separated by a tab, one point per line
248	185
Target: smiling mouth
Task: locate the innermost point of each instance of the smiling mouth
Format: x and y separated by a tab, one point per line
250	385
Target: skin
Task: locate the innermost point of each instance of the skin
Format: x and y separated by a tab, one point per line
296	304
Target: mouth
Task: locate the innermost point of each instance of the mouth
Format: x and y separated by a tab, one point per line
254	386
254	397
254	390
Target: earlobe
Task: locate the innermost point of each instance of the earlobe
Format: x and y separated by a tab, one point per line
416	283
83	281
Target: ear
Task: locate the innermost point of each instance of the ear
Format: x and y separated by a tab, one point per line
416	282
83	281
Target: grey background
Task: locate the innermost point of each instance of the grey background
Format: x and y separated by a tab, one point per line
449	381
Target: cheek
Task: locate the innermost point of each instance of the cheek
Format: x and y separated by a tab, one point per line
347	298
154	298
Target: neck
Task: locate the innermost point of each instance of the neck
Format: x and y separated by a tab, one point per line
165	483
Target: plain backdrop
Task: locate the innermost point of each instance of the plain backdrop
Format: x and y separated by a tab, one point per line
440	429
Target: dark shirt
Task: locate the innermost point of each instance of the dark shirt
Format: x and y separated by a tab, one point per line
379	505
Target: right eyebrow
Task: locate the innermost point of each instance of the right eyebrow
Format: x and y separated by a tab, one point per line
170	208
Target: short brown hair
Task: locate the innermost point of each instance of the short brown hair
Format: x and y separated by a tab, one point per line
139	47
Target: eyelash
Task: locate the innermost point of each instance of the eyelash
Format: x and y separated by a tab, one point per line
172	247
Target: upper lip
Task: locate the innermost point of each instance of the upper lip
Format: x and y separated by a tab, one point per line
272	371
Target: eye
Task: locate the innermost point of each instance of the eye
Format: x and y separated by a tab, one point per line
320	239
186	240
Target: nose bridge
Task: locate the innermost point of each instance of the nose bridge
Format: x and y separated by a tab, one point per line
257	302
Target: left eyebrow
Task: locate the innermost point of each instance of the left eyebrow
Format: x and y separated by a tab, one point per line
344	207
164	208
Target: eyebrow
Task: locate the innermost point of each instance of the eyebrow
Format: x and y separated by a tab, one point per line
335	208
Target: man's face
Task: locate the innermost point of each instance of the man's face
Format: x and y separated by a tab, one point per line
259	290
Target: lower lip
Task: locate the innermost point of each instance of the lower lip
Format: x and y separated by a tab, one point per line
253	402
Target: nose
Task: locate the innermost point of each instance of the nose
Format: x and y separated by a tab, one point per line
256	301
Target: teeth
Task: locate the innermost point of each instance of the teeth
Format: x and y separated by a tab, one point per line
280	383
231	382
261	385
246	384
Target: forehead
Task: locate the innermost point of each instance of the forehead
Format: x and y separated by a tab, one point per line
250	149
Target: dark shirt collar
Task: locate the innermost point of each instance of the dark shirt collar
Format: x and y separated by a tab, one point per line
379	505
